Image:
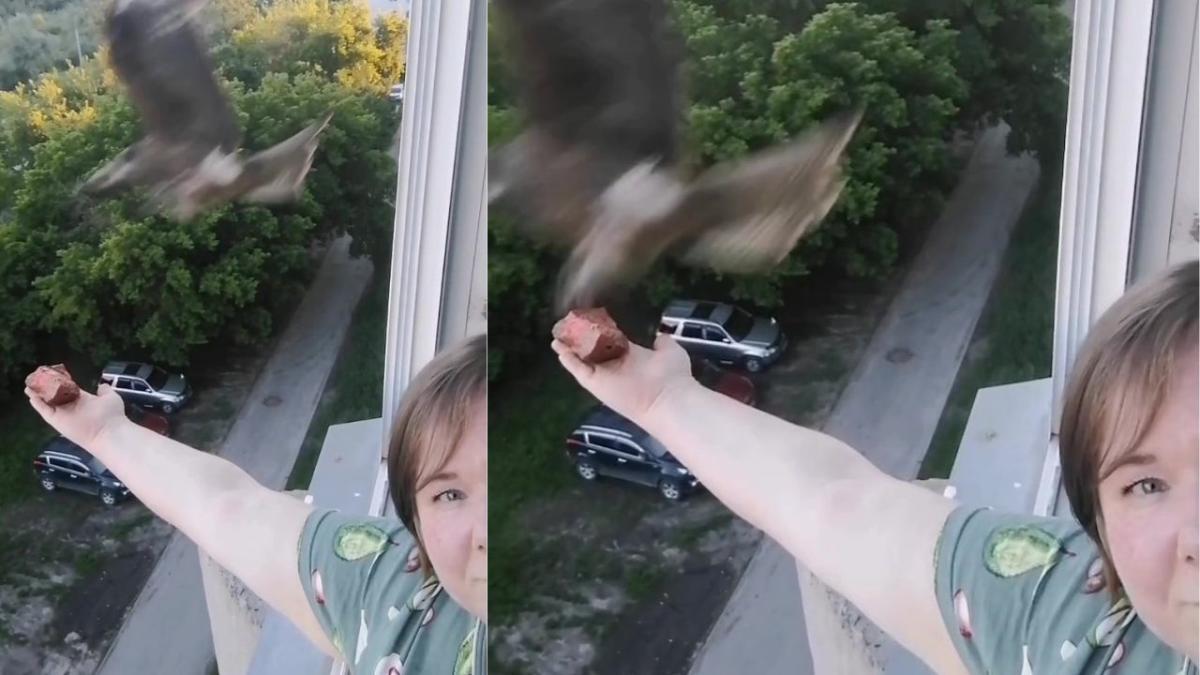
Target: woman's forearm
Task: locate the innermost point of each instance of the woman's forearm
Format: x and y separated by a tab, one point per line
770	472
246	528
865	534
182	485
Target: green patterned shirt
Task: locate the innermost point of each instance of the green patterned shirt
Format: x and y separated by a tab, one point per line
363	581
1025	595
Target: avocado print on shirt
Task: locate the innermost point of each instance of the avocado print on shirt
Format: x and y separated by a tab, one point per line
354	542
1013	551
384	613
465	664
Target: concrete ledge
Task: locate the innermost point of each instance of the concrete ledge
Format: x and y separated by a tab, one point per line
999	463
1003	447
343	479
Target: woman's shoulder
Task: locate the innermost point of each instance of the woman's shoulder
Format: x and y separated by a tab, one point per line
364	580
1023	593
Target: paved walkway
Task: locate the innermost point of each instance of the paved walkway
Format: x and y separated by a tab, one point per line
888	411
167	630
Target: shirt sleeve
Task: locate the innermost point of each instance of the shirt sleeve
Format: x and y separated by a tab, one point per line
354	570
1016	589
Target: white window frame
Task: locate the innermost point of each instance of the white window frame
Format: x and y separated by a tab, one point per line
1109	58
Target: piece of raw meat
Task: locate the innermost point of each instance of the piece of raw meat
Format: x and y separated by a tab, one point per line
592	335
53	384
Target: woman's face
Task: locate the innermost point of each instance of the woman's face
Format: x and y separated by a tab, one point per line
452	517
1150	523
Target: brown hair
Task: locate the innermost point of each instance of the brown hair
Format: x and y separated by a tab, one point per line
1117	386
430	423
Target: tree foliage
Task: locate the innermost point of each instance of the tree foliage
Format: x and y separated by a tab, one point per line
39	35
325	36
105	279
761	71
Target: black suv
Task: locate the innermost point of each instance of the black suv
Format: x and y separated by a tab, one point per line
63	464
607	444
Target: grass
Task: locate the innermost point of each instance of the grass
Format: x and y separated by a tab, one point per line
87	562
121	531
644	581
1015	333
528	419
24	432
354	389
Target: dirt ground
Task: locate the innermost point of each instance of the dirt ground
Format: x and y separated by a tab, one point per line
637	582
70	567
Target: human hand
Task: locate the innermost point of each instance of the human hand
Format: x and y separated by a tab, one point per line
633	383
86	419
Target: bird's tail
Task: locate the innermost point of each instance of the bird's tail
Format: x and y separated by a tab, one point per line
277	173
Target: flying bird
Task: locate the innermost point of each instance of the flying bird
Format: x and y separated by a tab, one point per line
596	169
189	157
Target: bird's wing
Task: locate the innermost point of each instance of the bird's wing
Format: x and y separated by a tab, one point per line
277	173
549	184
156	51
600	92
747	216
604	73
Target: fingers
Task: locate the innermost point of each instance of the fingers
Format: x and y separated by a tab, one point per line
44	409
571	362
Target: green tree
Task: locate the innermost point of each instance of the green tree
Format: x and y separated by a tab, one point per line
37	36
754	81
102	278
748	95
337	39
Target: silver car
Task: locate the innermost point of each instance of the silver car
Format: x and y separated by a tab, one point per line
722	332
146	385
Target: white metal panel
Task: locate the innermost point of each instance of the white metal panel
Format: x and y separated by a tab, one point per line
430	145
1167	179
1109	61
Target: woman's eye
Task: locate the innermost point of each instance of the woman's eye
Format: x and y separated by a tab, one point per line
1146	486
451	495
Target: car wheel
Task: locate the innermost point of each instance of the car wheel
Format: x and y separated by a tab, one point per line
670	489
108	498
586	471
753	365
49	485
168	408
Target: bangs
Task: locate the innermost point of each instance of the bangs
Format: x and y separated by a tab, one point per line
1130	391
440	439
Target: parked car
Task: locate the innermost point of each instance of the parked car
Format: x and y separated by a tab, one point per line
607	444
147	385
62	464
396	93
735	386
159	424
724	333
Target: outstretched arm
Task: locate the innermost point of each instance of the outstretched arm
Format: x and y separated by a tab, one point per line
867	535
246	528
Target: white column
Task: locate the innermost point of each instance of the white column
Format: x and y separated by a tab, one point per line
432	150
1109	60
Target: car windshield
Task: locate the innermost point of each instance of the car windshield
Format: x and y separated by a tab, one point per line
157	379
738	324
